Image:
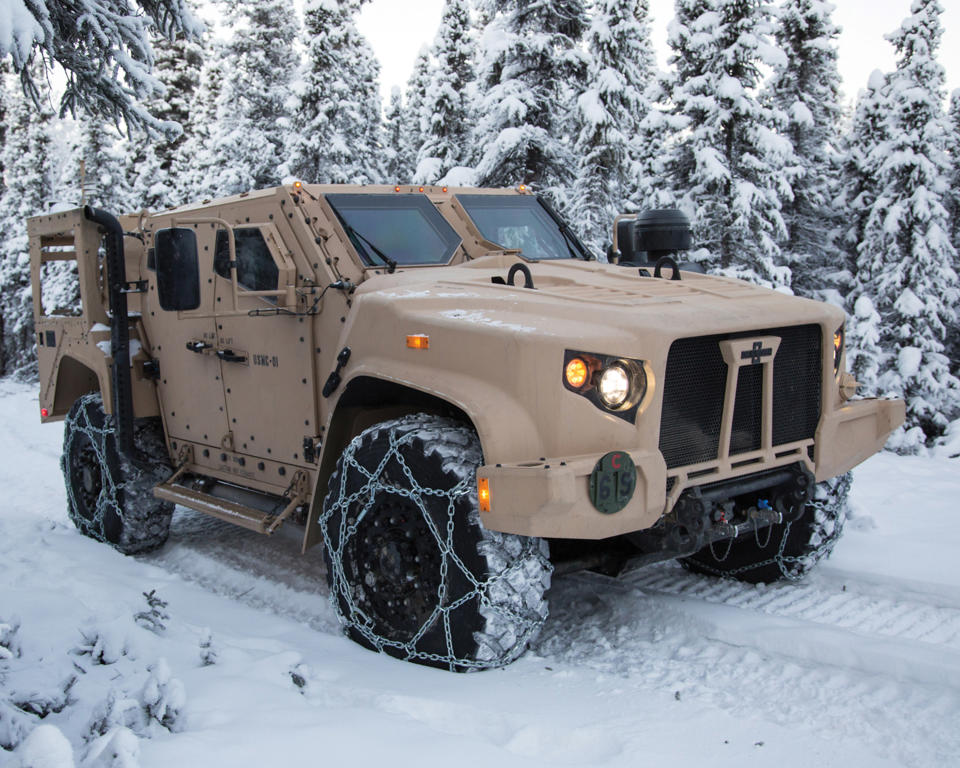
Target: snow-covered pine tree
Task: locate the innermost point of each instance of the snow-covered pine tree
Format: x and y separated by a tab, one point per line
651	188
336	121
3	117
860	168
727	166
859	182
953	213
156	165
806	90
253	113
369	162
103	48
609	115
414	123
865	358
94	173
199	164
393	138
906	256
25	157
531	64
447	104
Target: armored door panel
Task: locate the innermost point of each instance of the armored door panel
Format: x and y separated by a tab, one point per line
179	313
266	350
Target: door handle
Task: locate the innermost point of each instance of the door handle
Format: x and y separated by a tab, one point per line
229	356
198	346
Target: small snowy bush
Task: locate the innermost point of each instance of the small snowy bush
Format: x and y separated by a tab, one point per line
163	697
155	617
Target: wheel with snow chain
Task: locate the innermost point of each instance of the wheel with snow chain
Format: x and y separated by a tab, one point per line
781	552
412	571
108	498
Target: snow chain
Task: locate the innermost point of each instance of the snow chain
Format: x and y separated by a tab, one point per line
485	591
110	492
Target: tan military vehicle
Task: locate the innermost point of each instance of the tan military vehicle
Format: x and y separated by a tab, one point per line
443	388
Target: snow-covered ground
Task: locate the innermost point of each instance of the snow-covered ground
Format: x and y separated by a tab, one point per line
857	666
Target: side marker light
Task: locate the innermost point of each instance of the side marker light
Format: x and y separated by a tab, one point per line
44	413
418	341
483	493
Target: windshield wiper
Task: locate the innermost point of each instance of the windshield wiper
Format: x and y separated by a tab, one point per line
569	237
353	233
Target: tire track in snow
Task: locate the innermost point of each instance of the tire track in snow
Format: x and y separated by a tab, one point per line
263	572
816	601
691	636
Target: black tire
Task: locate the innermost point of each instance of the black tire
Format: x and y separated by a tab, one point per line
412	571
108	498
791	549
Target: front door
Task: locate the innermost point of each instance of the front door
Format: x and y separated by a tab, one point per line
266	351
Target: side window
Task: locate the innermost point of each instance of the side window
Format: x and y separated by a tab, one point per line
178	270
256	269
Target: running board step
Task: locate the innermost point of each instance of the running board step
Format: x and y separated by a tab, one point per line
231	511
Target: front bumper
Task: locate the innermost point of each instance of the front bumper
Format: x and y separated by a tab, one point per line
550	497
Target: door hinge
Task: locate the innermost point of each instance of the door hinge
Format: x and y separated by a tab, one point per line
311	448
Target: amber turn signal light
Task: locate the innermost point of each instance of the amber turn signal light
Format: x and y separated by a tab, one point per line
837	349
418	341
483	493
577	372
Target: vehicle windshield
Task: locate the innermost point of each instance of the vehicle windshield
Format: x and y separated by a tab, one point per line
524	223
403	230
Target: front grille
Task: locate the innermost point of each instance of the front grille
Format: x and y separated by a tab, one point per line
796	384
695	388
694	382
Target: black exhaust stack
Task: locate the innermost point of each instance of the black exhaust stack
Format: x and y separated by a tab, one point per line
119	330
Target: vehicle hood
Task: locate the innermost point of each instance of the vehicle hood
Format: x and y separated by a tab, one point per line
573	298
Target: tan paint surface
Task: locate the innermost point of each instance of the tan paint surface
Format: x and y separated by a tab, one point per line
496	353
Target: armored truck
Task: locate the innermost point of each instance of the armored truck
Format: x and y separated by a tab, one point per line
446	391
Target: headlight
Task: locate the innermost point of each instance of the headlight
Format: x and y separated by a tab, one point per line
837	349
613	386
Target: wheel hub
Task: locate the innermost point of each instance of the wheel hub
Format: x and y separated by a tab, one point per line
86	475
398	562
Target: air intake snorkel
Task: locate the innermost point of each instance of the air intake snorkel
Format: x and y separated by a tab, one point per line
653	239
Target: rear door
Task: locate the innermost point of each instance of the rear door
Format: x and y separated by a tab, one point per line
182	327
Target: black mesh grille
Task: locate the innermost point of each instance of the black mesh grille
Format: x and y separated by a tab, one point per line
747	410
694	385
796	384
